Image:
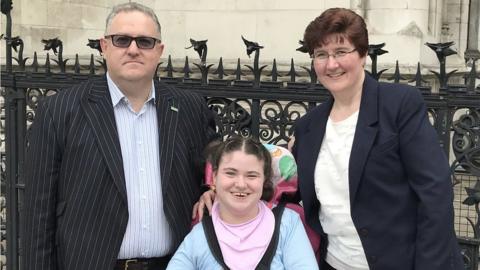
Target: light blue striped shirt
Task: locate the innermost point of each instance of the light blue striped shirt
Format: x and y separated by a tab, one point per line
148	233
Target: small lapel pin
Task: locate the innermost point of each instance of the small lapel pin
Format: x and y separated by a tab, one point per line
172	102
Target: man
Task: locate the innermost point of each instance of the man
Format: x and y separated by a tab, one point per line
113	166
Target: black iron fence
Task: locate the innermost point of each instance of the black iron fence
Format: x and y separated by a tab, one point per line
258	101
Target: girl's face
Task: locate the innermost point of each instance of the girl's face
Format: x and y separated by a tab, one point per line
239	186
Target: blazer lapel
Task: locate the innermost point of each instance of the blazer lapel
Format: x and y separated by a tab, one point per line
365	134
99	113
168	109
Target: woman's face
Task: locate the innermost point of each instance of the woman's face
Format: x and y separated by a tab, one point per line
239	186
339	66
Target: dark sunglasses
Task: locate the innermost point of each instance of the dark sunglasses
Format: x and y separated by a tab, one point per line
123	41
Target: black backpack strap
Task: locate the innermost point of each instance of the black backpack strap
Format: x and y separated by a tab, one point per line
212	239
267	258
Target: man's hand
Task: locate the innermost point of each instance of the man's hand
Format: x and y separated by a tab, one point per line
290	143
206	199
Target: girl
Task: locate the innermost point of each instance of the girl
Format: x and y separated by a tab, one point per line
243	224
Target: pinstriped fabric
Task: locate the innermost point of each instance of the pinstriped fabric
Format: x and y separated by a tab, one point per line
75	200
182	118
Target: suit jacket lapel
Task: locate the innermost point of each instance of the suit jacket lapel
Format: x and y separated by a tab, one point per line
99	113
168	109
365	134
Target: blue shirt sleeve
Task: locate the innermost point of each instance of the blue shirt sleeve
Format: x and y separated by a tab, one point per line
295	248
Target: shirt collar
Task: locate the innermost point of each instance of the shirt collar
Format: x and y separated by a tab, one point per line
117	95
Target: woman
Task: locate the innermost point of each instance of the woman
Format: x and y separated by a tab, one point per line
372	177
242	222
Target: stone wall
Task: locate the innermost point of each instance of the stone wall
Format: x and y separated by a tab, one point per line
405	25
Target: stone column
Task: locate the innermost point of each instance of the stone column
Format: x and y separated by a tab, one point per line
473	25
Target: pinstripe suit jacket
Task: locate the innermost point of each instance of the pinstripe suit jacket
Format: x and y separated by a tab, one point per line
75	203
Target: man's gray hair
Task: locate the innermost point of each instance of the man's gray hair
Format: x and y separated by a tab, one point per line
129	7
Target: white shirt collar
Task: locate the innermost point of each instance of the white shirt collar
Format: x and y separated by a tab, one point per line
117	95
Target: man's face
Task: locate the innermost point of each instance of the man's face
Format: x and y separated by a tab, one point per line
131	64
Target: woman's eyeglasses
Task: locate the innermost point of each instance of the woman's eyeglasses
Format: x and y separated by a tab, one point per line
337	55
123	41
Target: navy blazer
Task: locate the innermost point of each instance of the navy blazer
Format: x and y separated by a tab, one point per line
76	210
400	187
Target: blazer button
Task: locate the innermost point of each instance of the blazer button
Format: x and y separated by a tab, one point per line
373	259
364	232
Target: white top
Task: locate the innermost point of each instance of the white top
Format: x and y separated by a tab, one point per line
345	249
148	232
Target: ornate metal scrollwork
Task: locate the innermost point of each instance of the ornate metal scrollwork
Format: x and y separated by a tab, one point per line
375	50
54	44
277	119
17	42
33	95
466	147
466	141
442	50
256	69
231	117
202	49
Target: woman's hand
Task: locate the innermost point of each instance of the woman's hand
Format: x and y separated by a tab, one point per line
206	199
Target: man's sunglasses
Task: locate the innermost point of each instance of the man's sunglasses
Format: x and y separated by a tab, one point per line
123	41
